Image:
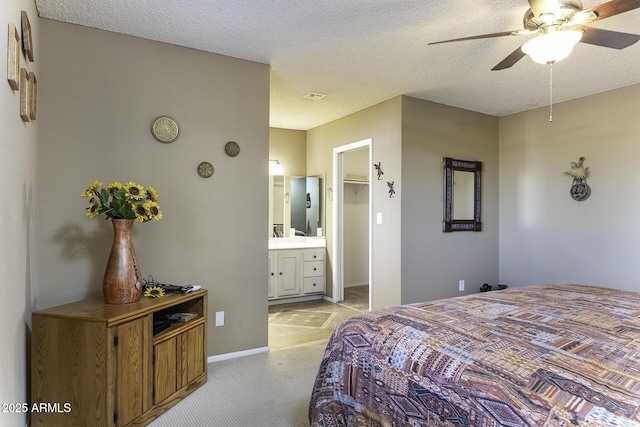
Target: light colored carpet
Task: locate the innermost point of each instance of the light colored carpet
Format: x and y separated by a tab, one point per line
264	390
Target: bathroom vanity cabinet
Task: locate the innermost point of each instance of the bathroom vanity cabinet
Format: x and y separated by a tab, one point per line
296	273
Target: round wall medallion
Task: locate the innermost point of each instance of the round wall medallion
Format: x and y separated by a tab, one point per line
165	129
580	191
205	169
232	149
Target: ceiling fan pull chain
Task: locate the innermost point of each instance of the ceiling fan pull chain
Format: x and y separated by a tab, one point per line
550	92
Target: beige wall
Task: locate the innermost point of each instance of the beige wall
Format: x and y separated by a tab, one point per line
100	93
382	123
413	260
546	236
18	172
432	261
289	147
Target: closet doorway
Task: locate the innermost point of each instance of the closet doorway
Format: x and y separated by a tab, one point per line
352	210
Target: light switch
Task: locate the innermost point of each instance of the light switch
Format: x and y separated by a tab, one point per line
379	218
219	318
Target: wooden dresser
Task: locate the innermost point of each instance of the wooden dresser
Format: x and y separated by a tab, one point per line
103	366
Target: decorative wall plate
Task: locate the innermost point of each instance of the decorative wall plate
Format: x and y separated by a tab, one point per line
232	149
205	169
580	190
165	129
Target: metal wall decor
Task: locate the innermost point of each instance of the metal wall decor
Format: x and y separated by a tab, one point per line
232	149
165	129
580	190
205	170
392	192
378	168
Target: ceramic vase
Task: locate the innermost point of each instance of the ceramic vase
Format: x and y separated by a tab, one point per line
122	282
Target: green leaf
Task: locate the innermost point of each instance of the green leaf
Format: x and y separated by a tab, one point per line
104	196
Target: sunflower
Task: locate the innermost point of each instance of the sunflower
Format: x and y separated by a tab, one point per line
92	189
154	292
152	195
141	211
134	191
154	211
94	207
118	201
113	187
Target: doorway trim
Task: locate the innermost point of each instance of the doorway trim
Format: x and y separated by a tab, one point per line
338	219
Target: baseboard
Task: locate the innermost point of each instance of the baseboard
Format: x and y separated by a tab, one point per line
330	299
294	299
235	354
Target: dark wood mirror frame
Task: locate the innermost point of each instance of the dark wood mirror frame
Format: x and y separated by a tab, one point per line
449	223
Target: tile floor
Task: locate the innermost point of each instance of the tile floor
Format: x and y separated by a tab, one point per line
303	322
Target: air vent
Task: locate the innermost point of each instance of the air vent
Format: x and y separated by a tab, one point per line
314	96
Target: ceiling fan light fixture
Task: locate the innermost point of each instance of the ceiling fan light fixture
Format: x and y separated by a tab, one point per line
552	47
547	18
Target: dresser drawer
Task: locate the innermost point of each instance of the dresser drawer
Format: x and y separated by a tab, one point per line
313	268
313	255
313	284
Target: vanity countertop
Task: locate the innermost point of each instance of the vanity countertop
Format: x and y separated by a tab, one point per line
298	242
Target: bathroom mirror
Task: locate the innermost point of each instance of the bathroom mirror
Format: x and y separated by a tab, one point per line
297	202
462	191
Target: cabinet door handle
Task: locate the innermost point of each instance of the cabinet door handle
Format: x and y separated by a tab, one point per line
314	269
281	273
315	256
272	274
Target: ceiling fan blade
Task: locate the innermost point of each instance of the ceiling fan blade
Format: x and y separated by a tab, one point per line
541	6
507	62
486	36
613	7
607	38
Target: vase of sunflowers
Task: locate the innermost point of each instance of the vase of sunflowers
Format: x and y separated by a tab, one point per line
122	204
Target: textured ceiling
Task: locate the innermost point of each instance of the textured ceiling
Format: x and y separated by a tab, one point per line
362	52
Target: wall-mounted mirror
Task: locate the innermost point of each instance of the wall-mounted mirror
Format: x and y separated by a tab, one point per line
462	191
297	202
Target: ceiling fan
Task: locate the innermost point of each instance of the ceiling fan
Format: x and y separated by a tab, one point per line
559	25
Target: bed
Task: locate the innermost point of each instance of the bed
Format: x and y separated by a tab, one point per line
547	355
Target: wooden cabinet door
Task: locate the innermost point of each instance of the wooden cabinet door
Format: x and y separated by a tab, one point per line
191	354
289	274
165	370
131	371
177	362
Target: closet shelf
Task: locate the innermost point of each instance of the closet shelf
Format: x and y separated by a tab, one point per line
356	179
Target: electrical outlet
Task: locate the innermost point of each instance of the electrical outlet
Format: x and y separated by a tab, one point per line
461	285
219	318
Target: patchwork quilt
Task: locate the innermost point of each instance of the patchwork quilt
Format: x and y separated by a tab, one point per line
547	355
